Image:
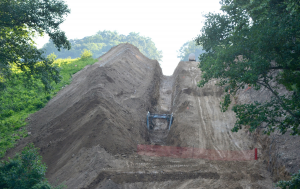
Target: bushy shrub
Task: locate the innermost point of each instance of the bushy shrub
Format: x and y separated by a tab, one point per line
25	171
52	57
7	113
86	54
294	183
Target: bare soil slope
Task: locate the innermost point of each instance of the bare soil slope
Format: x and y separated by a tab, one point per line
88	133
199	120
102	110
280	152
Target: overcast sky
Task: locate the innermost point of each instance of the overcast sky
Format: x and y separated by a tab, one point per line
168	23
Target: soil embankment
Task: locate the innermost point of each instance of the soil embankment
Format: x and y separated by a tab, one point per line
279	152
199	121
88	133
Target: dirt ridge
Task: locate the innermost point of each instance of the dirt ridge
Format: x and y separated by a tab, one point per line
89	132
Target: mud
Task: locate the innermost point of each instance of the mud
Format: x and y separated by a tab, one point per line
88	134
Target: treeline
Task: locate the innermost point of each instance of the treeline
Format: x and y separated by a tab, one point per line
187	48
102	42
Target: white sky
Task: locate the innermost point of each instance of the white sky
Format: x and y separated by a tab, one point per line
168	23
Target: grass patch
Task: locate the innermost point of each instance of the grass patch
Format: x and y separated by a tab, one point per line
22	97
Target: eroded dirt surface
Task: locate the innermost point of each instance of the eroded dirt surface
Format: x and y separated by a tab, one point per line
160	130
88	133
280	152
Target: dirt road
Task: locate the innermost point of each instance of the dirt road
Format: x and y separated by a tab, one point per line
88	133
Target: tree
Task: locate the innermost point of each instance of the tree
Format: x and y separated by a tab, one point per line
256	43
103	41
20	21
86	54
187	48
25	170
294	183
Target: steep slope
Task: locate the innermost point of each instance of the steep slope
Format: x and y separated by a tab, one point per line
199	120
280	152
199	124
89	133
102	110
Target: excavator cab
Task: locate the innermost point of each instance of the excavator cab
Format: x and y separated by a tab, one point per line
192	57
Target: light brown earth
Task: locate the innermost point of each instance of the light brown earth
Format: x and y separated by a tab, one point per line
88	134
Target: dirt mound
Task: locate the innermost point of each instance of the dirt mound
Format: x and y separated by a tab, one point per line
104	106
88	133
199	121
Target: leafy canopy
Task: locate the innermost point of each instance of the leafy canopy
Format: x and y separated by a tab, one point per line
86	54
256	43
187	48
25	170
102	42
20	21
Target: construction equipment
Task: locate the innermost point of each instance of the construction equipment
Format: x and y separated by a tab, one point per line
168	117
192	57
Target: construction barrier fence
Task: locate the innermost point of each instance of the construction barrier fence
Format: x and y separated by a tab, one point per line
196	153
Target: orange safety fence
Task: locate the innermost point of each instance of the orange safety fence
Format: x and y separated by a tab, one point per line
196	153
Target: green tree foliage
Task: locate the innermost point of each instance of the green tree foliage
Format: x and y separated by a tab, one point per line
187	48
102	42
25	171
256	43
20	21
294	183
86	54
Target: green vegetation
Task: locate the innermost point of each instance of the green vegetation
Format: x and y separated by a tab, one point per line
27	78
256	43
102	42
86	54
25	171
20	22
187	48
21	98
294	183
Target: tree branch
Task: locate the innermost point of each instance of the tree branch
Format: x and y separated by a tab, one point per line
283	68
265	84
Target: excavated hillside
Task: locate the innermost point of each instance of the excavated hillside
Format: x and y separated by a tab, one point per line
280	152
89	133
